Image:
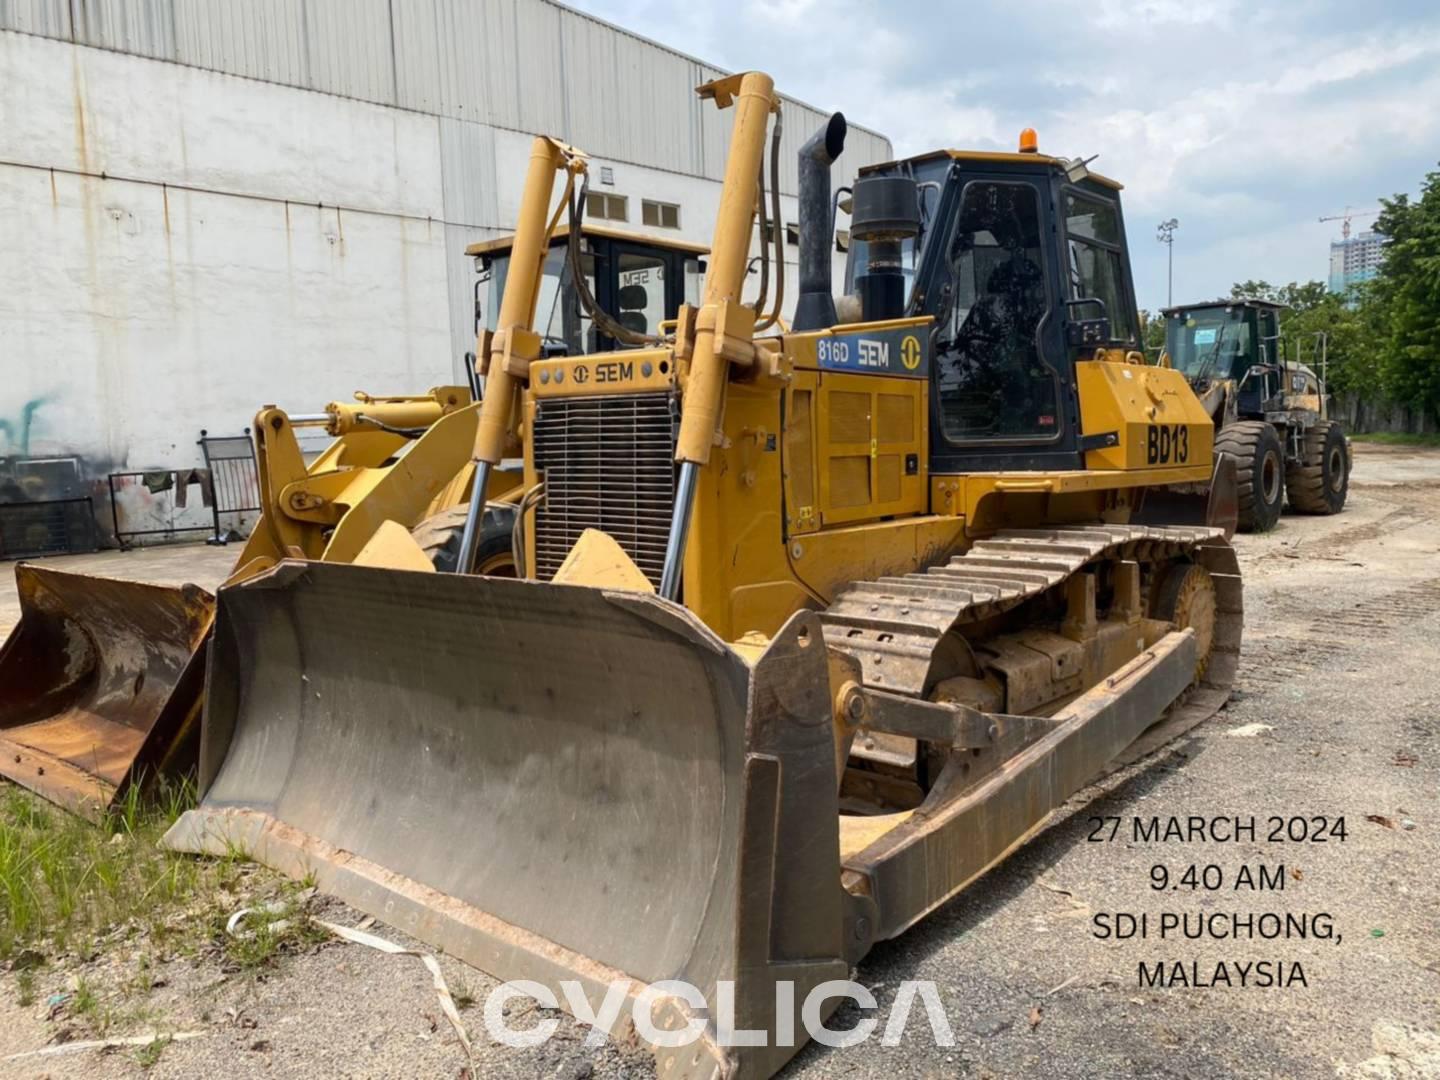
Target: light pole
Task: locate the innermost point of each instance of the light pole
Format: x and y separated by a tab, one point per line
1165	233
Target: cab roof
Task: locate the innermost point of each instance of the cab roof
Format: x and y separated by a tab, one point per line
991	156
1244	301
503	244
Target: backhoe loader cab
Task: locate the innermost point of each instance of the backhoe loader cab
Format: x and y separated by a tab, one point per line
1269	407
642	280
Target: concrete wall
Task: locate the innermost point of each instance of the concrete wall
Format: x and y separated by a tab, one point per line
1365	415
135	312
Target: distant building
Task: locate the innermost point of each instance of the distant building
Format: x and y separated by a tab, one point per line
1355	259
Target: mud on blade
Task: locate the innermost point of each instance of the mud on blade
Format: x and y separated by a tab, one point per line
551	782
100	684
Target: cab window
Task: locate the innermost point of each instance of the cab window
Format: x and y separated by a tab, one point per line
1209	343
1092	231
559	318
641	293
991	379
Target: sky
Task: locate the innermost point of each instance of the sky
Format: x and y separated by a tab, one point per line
1245	121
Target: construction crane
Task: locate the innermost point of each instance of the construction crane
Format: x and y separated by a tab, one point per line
1346	218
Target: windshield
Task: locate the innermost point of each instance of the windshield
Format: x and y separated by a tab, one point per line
558	315
1207	341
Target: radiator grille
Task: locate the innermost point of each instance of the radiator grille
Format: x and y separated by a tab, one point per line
608	463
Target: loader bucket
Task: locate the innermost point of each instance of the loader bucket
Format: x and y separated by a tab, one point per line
100	684
1216	504
551	782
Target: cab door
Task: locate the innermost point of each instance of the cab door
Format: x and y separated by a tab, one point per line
1003	387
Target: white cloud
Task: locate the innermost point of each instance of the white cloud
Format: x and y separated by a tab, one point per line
1246	122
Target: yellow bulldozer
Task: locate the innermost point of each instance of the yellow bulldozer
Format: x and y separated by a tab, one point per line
808	627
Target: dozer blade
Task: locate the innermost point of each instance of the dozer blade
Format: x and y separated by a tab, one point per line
100	684
551	782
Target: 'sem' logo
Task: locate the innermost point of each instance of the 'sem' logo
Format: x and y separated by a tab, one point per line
910	352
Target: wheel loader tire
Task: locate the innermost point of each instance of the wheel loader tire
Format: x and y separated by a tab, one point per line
1320	480
439	536
1260	470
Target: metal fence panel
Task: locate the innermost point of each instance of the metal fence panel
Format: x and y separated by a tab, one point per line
47	527
233	473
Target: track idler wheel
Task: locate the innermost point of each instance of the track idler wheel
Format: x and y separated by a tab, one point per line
1185	597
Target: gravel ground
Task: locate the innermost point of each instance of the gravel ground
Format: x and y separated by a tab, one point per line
1340	669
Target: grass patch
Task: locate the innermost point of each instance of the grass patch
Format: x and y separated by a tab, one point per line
270	932
85	1003
25	988
66	884
71	891
463	996
1397	438
149	1055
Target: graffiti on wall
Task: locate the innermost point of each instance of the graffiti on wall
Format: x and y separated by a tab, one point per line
15	429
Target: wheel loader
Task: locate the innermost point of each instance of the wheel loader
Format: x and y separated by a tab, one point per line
101	681
810	627
1271	413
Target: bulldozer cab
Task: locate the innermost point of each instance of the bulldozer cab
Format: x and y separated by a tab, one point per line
642	280
1024	268
1236	341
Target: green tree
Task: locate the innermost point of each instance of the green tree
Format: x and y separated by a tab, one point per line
1407	292
1350	350
1298	296
1152	324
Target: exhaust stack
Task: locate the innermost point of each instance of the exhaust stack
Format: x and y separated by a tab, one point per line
815	310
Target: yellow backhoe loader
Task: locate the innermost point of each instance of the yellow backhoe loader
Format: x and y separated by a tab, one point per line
809	628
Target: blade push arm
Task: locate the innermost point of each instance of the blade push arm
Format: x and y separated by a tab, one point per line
504	356
721	332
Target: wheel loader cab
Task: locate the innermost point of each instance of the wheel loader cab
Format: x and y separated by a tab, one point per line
642	280
1230	341
1023	272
